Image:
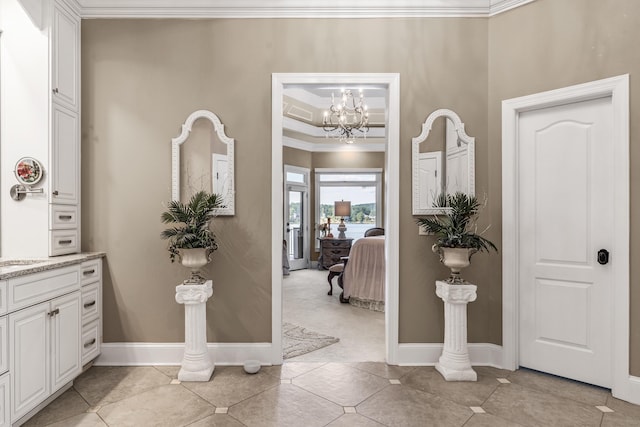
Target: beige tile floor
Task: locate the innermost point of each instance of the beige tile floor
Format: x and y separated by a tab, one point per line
331	386
331	394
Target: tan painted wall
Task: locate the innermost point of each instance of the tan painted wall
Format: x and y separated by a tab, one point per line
550	44
142	78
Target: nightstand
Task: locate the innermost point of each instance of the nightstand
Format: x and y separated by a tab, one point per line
332	249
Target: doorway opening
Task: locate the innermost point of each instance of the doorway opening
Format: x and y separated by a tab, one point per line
389	85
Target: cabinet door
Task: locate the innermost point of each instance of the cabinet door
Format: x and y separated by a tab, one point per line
5	401
65	54
65	156
65	340
29	360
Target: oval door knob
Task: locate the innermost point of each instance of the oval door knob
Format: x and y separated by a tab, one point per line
603	256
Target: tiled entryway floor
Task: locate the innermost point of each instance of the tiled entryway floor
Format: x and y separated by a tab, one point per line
311	394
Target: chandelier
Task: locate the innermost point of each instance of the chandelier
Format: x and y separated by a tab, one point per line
348	115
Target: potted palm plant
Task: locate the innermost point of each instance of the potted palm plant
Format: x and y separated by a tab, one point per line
456	233
192	242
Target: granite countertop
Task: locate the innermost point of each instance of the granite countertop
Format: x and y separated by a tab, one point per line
14	267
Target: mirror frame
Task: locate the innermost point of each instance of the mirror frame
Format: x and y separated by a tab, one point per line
462	135
175	158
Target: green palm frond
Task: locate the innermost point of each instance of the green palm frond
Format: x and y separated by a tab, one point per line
196	216
456	227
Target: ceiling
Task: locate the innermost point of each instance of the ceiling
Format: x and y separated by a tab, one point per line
304	107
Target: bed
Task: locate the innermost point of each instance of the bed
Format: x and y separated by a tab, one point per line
363	277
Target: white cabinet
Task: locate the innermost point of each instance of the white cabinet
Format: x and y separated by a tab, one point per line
5	400
30	358
65	55
66	352
64	157
41	90
91	279
45	350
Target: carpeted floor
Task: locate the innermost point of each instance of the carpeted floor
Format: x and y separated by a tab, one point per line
297	340
305	303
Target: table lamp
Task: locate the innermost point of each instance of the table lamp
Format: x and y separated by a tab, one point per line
342	209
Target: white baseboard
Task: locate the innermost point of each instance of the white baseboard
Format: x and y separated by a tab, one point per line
629	391
145	354
481	354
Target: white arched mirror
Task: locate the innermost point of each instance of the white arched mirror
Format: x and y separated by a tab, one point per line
206	163
443	158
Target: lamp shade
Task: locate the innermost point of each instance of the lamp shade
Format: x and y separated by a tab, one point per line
342	208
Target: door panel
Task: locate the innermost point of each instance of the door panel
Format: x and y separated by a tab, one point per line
565	187
29	358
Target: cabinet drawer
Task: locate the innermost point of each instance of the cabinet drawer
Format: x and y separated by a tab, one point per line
4	346
63	217
90	302
63	242
90	271
90	341
333	244
34	288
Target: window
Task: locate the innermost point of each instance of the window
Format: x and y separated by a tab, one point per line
361	187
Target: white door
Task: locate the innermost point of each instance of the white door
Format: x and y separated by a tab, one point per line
430	177
296	227
565	196
296	217
65	340
219	174
29	358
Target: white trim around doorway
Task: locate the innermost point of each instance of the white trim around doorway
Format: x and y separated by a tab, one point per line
625	386
392	186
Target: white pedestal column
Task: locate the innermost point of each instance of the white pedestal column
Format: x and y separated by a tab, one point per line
196	363
454	364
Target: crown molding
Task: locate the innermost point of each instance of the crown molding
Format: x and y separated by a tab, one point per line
499	6
360	146
293	8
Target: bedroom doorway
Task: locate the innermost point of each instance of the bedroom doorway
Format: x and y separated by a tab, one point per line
389	85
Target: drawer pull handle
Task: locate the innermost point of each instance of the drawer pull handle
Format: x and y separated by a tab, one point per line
65	217
54	312
89	304
88	272
55	192
90	343
65	242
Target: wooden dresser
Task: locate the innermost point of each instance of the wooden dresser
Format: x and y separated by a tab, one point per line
332	249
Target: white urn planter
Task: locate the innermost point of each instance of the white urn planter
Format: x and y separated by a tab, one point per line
456	259
194	259
454	363
196	363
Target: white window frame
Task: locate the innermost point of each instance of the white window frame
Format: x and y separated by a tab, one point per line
350	171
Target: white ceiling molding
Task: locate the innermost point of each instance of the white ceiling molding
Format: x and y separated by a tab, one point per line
297	126
359	146
499	6
293	8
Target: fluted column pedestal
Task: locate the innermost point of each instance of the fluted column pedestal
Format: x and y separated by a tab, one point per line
196	363
454	364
